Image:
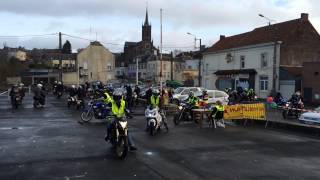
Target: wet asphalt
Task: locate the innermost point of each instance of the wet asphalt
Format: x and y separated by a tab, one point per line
50	144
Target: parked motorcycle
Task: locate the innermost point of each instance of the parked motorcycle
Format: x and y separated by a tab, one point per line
184	113
119	137
155	120
292	110
97	109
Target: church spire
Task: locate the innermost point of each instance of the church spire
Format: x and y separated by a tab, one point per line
146	21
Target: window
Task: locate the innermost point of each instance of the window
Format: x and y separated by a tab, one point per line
109	67
85	65
242	62
207	69
185	92
189	67
219	94
264	60
263	83
164	66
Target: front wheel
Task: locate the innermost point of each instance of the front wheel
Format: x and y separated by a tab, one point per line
285	114
122	148
176	119
86	116
152	129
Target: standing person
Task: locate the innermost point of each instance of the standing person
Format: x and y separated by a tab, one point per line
129	96
137	91
170	94
148	95
217	114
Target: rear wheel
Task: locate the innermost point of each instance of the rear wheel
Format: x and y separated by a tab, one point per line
86	116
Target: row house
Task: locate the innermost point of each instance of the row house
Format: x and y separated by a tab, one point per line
268	59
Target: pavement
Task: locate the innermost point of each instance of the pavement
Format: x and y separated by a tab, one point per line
50	144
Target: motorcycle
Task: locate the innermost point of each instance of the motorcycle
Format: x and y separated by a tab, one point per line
155	120
119	137
58	94
38	102
184	113
80	104
16	101
72	101
96	109
292	109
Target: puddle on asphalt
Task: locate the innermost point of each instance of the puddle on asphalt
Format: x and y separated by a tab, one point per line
12	128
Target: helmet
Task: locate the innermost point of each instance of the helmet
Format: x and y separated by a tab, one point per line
156	92
204	92
191	93
117	95
55	82
39	85
21	84
59	82
73	86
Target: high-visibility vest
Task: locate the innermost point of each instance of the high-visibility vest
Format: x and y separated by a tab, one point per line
108	99
118	111
155	101
219	109
193	101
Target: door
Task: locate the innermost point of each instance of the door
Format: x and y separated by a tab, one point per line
307	94
287	88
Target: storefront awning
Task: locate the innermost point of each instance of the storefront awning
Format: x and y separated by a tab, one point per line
239	71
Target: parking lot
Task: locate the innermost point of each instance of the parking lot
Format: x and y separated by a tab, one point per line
50	144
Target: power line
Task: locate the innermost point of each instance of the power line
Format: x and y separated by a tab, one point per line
86	39
28	35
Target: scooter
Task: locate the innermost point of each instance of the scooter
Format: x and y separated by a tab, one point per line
155	120
184	114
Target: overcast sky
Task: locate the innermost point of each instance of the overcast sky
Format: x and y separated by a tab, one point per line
117	21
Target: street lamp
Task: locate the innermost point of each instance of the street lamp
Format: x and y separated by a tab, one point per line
274	76
195	40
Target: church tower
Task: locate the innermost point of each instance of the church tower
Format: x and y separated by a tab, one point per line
146	29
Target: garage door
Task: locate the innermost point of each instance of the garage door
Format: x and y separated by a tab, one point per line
287	88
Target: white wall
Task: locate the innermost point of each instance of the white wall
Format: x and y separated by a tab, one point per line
217	61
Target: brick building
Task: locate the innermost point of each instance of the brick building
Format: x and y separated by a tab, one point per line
249	59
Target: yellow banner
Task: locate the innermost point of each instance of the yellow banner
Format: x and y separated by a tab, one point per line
245	111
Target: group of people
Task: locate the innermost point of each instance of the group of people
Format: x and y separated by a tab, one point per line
240	95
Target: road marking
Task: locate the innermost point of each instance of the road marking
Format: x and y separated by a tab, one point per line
3	93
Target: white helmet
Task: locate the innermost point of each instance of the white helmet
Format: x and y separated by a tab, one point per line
73	86
39	85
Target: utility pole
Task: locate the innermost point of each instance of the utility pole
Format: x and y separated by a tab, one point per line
200	59
60	57
137	71
160	50
171	66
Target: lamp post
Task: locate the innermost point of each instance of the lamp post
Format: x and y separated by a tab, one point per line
274	67
200	59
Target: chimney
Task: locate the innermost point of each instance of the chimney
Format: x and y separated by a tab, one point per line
222	37
304	16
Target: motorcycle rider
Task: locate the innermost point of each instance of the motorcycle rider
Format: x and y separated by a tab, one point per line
296	100
155	98
54	87
193	100
129	96
22	90
217	114
14	92
137	91
204	98
118	109
39	95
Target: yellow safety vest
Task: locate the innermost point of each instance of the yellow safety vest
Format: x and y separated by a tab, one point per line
219	109
155	101
108	99
118	111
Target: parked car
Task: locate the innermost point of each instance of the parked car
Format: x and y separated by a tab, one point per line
182	93
216	95
311	117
